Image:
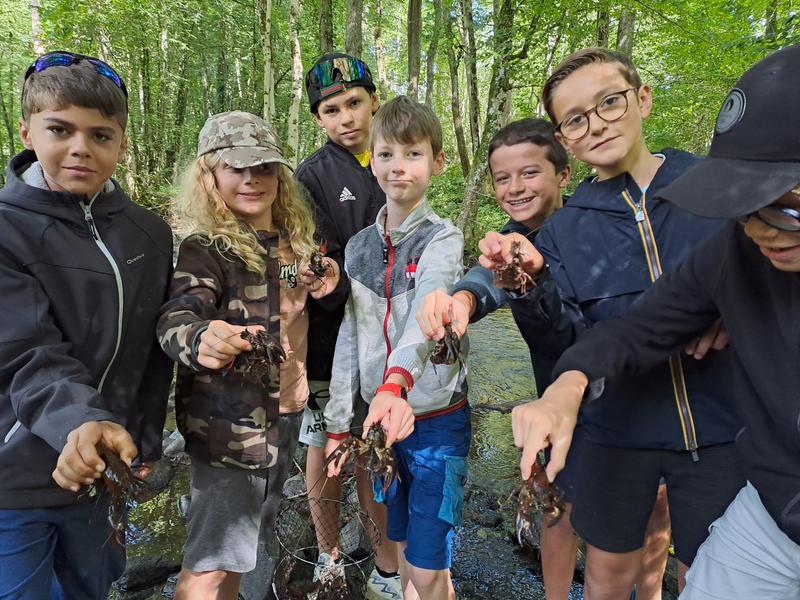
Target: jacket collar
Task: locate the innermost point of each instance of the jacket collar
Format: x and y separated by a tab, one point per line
606	195
343	153
60	205
396	235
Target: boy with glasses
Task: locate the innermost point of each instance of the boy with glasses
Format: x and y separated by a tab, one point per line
83	272
748	276
603	250
347	198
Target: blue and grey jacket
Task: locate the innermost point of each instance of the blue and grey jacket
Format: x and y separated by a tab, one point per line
604	249
390	274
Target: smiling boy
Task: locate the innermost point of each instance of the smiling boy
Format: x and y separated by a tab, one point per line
602	251
747	273
381	361
83	271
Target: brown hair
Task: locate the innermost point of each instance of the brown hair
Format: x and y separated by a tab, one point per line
581	58
405	121
77	84
533	131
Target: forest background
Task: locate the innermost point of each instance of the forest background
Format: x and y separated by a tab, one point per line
478	63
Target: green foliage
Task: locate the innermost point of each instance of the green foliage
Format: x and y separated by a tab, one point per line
185	59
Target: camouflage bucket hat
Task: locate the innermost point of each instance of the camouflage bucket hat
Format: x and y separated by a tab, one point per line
241	140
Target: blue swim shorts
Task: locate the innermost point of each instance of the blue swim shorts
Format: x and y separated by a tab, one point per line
424	501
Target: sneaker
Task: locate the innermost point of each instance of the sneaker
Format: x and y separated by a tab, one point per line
327	568
383	588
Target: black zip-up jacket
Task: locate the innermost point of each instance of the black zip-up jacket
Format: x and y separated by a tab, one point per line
479	281
727	276
59	326
346	198
603	249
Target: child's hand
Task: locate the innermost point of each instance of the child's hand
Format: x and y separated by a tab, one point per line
319	287
335	466
438	308
714	338
79	462
496	252
393	413
221	342
550	420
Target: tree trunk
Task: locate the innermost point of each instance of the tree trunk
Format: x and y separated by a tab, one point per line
36	28
179	118
603	19
455	95
293	127
380	59
499	89
625	30
268	104
325	26
11	134
353	39
432	49
414	24
771	19
470	62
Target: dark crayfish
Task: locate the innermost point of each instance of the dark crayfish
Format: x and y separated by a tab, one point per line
266	353
511	276
318	266
379	460
448	349
123	488
537	494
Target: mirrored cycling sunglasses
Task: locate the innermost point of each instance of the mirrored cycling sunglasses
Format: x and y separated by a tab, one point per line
65	59
349	69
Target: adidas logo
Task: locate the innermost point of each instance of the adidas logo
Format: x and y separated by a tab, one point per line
346	195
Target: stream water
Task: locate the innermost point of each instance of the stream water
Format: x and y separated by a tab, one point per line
487	563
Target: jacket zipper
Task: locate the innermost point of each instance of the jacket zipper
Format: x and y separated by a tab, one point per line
675	366
87	213
388	258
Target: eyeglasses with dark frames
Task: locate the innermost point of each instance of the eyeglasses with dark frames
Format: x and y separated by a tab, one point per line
611	107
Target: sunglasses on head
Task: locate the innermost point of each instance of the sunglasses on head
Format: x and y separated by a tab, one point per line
65	59
347	68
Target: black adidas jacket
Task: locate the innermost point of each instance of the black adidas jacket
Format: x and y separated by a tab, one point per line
346	198
63	358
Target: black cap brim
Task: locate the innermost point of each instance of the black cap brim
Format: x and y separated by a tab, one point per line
731	188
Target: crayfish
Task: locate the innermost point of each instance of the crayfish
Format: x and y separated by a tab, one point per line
378	459
318	266
266	353
448	349
537	494
511	276
123	489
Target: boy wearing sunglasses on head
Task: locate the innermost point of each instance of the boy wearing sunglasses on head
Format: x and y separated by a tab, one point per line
607	246
83	272
346	197
747	273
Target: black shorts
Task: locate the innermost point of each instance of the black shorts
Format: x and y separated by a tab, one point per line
615	489
565	479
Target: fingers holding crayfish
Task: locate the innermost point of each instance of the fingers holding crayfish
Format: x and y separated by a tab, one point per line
221	342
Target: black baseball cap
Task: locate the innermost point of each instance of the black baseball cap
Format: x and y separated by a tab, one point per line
334	73
755	152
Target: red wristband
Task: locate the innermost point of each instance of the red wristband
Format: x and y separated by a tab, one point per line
393	388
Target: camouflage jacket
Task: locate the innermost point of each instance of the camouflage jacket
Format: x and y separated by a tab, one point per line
224	415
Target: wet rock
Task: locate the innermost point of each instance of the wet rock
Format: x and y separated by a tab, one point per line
168	591
295	486
350	536
146	572
183	506
300	455
174	444
161	476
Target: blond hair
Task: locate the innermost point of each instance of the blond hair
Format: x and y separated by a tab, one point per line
218	225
